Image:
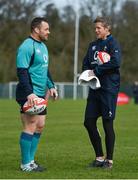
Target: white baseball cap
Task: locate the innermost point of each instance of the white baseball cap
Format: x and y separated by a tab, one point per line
92	81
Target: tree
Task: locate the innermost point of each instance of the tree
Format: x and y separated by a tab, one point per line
128	37
61	42
14	19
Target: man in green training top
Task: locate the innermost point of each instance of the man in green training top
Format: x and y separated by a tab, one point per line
34	79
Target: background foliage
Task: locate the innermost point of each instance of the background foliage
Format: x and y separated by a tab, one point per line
15	17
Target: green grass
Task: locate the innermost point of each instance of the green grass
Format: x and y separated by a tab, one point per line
64	147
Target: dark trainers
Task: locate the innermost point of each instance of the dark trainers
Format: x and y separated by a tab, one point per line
36	167
96	163
107	165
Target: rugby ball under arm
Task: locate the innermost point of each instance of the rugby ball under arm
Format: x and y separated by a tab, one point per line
103	57
40	106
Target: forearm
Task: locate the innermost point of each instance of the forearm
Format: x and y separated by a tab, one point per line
50	84
24	80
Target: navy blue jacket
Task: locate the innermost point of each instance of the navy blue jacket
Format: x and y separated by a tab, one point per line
108	73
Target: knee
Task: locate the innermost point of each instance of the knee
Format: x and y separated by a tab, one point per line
90	124
40	128
108	127
87	123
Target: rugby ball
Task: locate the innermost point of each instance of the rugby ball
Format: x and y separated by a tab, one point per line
40	106
103	57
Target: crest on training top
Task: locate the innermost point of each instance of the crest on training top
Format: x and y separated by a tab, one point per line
38	51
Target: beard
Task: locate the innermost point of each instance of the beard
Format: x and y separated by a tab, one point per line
43	38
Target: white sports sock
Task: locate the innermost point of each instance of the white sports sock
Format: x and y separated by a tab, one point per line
100	160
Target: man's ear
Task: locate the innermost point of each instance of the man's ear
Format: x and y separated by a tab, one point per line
36	30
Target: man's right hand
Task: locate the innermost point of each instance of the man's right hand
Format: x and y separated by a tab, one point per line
91	73
30	99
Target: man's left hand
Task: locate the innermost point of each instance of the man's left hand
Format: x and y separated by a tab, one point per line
53	93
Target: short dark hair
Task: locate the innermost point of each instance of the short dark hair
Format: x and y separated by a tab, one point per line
104	20
36	22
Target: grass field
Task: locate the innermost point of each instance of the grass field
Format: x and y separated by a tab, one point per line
64	147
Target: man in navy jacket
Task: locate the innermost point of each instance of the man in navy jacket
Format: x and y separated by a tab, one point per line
102	102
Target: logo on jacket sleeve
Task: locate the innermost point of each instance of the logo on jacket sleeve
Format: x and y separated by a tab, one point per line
110	114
